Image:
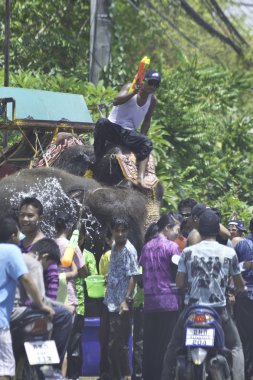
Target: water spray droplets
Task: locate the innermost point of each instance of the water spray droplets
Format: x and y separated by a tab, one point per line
53	198
55	201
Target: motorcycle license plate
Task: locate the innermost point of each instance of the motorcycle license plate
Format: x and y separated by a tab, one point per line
199	337
42	352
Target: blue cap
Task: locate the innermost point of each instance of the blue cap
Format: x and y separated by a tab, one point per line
154	75
238	223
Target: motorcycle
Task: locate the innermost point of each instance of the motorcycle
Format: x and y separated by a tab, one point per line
203	355
33	350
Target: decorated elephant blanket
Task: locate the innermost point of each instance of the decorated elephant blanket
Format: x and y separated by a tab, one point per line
127	163
62	141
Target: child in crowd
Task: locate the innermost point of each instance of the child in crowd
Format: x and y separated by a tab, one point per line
115	327
75	364
64	226
47	252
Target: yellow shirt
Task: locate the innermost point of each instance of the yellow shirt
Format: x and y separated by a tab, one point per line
104	263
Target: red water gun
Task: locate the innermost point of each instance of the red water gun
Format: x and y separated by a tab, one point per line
139	76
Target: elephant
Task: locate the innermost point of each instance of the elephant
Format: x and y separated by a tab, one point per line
79	159
82	198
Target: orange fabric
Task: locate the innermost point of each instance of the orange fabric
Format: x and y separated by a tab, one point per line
181	242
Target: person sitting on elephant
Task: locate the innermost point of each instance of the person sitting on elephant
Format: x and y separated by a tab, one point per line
129	109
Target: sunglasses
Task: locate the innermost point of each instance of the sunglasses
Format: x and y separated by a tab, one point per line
186	215
153	82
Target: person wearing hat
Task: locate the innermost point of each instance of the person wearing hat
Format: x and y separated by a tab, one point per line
236	229
130	109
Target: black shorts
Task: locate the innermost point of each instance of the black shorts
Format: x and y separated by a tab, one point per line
114	133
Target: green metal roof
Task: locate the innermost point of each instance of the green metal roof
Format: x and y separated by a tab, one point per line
46	105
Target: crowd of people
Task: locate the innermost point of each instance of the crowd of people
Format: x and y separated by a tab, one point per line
187	250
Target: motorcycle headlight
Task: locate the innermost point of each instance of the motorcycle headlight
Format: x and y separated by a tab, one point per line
29	327
198	355
40	326
49	326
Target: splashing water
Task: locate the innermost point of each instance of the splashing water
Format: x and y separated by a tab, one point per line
89	223
54	200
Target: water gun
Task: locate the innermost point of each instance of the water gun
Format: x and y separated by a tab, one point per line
139	76
70	249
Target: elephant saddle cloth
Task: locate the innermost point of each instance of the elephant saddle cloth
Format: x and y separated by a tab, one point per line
127	163
61	142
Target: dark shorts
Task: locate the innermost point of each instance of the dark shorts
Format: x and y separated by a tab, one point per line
114	133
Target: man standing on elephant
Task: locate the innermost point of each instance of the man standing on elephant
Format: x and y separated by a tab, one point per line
129	110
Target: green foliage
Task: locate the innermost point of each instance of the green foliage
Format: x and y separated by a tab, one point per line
230	203
50	36
204	115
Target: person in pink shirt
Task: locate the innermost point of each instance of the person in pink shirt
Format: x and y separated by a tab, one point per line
64	226
161	298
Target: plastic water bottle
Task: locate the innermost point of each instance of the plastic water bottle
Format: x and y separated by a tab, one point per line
70	250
